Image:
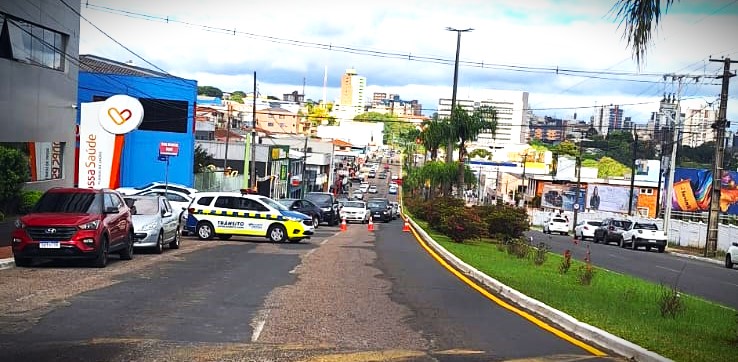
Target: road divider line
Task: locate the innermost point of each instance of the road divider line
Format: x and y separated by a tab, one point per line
669	269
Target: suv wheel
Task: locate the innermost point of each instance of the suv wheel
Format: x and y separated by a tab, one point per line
205	230
102	256
728	261
24	262
127	252
277	233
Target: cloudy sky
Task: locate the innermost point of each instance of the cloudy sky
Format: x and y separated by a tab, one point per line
402	47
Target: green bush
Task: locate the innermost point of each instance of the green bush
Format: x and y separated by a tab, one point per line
28	201
437	209
15	171
504	221
461	224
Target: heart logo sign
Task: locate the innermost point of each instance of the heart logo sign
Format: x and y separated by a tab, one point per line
120	114
119	117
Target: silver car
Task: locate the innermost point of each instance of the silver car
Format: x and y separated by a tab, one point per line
154	222
395	209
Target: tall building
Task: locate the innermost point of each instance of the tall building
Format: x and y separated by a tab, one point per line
394	105
547	129
352	89
608	118
512	116
39	50
697	127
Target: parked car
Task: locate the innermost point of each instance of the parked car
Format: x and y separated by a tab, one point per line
155	223
355	211
611	231
74	223
373	189
160	186
646	234
306	207
358	195
380	209
585	229
179	201
328	204
556	224
731	256
224	214
364	187
392	190
395	209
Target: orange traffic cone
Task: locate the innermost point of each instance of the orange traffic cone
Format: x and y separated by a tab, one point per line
406	226
343	224
370	226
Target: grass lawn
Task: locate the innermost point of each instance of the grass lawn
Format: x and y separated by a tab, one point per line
623	305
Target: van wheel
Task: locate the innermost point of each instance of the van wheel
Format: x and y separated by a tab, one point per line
102	256
205	230
127	252
277	233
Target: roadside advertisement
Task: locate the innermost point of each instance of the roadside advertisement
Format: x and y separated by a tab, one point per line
46	160
692	188
611	198
102	128
561	197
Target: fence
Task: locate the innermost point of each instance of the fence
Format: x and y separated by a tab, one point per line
681	232
216	181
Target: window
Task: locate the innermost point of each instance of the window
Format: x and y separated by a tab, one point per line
205	201
225	202
270	124
281	116
30	43
646	192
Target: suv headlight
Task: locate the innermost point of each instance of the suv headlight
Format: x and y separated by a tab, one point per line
92	225
19	224
149	226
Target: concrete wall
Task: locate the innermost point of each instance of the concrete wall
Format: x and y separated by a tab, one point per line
37	102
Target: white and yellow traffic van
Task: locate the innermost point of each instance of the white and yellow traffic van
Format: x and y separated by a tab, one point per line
224	214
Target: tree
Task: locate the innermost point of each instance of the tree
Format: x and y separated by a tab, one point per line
392	125
608	167
15	171
567	148
467	127
202	159
435	134
318	115
209	91
238	96
639	18
480	153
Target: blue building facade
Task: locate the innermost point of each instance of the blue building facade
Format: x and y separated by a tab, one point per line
169	104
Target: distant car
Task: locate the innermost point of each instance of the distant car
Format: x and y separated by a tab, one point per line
155	223
380	209
585	229
159	186
372	174
556	224
373	189
392	190
306	207
395	209
646	234
179	201
358	195
731	256
611	231
328	204
364	187
355	211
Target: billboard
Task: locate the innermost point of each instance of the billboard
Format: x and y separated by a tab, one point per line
561	197
692	188
611	198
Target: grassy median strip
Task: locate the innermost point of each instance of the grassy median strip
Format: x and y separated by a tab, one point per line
622	305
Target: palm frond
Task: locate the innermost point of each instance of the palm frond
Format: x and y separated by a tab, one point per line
639	19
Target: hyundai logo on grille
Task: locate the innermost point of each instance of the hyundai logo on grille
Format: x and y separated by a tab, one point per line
51	231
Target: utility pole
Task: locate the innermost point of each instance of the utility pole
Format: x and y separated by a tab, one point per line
450	145
252	173
633	171
661	172
717	167
579	180
675	139
524	188
304	165
228	137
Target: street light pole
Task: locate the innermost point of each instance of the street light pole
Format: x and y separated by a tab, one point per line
450	146
579	184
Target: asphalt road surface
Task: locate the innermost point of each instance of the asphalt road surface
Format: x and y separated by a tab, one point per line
355	296
710	281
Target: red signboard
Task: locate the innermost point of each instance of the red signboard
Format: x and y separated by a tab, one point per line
168	149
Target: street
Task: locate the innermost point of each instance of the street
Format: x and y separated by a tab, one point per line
710	281
353	295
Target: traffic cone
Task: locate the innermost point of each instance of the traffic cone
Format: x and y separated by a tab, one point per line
406	226
370	226
343	224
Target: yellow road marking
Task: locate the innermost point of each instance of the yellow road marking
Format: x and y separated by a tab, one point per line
531	318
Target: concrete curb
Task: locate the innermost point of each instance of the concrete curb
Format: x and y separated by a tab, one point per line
695	257
568	323
7	263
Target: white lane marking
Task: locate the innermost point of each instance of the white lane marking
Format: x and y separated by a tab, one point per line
294	270
324	241
617	256
731	284
669	269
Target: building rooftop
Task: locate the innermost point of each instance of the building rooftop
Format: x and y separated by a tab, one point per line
95	64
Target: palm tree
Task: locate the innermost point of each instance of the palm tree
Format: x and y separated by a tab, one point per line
467	128
639	18
434	135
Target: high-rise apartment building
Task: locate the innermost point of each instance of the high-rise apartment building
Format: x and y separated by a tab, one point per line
608	118
512	116
697	127
352	89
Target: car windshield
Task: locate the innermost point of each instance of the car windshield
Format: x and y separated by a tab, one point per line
273	203
376	205
319	198
622	224
143	206
286	202
645	226
70	202
354	204
558	220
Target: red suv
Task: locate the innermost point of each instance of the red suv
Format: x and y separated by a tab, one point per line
75	223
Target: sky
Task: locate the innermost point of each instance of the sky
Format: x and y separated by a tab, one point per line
403	47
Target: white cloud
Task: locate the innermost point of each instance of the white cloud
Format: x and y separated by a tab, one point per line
533	33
